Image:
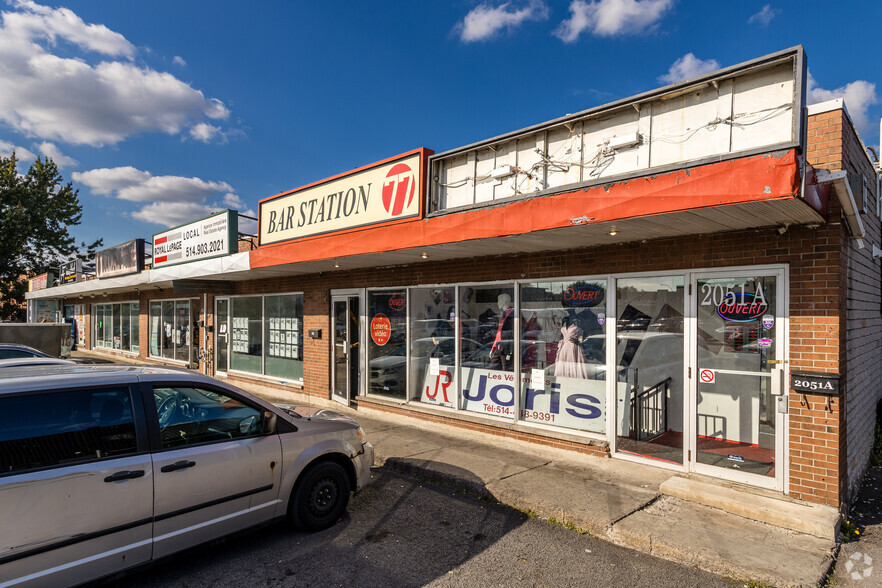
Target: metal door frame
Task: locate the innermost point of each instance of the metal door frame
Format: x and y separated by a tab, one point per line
345	296
217	367
779	376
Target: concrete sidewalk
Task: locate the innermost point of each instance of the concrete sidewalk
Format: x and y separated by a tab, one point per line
727	530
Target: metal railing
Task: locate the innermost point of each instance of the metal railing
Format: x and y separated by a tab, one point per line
649	411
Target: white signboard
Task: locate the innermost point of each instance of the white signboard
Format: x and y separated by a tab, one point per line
387	191
574	403
210	237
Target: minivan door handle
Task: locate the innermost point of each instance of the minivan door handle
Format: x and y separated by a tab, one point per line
124	475
178	465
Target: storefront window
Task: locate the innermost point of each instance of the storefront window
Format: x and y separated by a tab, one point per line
433	345
387	344
155	327
168	329
182	330
283	334
170	323
649	365
245	343
487	349
134	326
563	354
113	326
116	325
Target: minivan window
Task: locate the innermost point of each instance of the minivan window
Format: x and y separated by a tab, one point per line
64	428
189	416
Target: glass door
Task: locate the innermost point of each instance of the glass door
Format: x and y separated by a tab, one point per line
346	369
738	393
221	334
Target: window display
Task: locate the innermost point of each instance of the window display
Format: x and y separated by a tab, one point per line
265	335
487	371
433	345
284	336
649	360
563	354
246	351
387	344
170	322
116	326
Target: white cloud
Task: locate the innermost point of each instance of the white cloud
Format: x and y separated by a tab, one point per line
171	214
178	60
134	185
172	200
204	132
859	95
234	201
52	151
485	21
34	21
607	18
687	67
24	155
764	16
68	99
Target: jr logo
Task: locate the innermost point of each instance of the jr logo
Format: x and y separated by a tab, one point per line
398	188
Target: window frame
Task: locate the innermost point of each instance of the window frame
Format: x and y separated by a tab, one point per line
150	315
263	330
154	431
106	310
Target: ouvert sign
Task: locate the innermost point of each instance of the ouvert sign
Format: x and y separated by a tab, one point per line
383	192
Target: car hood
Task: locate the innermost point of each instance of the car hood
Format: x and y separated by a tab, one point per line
316	414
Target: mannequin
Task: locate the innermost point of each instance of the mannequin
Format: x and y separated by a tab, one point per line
501	351
570	360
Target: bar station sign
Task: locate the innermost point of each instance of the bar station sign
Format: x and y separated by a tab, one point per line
386	191
213	236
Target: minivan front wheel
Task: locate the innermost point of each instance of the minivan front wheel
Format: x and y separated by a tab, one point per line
320	497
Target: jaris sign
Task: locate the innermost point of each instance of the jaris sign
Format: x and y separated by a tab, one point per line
387	191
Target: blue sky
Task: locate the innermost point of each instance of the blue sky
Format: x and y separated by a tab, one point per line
160	112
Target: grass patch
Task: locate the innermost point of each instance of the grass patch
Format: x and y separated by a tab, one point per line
568	525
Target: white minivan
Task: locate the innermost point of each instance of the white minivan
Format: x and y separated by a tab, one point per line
103	468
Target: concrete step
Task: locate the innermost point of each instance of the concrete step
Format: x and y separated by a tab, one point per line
778	510
725	544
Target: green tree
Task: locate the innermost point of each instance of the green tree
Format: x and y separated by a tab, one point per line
36	212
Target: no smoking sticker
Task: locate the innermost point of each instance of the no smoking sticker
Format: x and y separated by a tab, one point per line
707	376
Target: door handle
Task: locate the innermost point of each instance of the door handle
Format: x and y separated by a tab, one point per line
124	475
179	465
775	361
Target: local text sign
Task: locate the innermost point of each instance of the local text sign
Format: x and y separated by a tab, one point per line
210	237
385	192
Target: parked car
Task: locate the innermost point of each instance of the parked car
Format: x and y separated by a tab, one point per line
17	351
33	361
103	468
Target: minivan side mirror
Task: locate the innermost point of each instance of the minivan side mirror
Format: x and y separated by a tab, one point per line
269	422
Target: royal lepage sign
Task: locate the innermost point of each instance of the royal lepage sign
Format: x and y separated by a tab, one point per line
387	191
210	237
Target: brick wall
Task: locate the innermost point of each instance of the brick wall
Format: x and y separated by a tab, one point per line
813	257
834	145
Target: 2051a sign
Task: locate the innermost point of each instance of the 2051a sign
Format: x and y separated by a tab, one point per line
817	383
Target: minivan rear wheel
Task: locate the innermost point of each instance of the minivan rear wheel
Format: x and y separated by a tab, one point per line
320	497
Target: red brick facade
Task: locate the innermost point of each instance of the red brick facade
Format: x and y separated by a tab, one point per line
834	318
